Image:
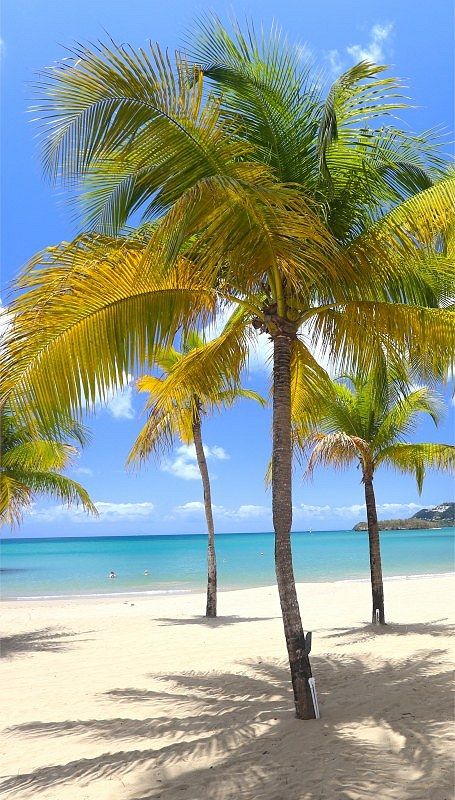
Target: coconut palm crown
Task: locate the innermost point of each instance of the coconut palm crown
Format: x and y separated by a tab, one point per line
171	416
359	421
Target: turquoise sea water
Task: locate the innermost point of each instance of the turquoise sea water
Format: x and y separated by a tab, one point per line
80	566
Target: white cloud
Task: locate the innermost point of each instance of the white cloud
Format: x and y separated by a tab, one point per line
216	452
249	512
386	508
83	471
121	404
118	403
193	507
303	510
374	50
355	510
108	512
335	63
184	462
196	507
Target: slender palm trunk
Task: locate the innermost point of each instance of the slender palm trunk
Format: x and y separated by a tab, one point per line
377	588
282	520
211	557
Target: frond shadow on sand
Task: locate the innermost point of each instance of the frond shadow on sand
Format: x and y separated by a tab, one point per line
233	735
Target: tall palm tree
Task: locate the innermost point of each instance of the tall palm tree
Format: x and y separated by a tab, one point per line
31	464
169	418
266	194
361	421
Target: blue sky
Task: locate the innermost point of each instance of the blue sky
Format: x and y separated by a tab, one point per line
416	40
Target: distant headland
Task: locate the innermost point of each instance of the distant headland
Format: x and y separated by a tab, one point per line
442	516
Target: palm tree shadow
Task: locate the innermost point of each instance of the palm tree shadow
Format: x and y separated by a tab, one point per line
437	627
234	735
211	622
50	639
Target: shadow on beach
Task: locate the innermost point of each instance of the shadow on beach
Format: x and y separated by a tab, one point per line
212	622
51	639
227	735
437	627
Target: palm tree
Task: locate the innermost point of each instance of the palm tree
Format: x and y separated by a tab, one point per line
170	418
321	228
31	464
361	421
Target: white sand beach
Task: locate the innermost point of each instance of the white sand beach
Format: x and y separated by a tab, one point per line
141	698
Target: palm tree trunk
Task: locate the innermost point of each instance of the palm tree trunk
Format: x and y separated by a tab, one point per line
282	520
377	588
211	557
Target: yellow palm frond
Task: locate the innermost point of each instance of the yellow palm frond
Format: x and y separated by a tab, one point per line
357	336
15	499
90	314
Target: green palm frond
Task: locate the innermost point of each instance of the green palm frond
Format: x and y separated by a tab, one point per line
43	454
415	459
263	81
403	416
358	418
113	99
357	95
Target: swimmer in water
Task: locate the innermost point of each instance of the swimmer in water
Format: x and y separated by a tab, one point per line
112	574
146	572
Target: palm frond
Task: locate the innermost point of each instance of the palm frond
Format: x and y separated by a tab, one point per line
91	313
415	459
355	97
39	455
264	81
403	415
337	450
15	499
358	336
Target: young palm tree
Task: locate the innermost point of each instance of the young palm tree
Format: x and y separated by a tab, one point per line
363	422
266	194
31	464
169	418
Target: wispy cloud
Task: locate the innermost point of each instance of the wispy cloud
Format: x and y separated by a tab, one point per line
196	508
376	50
108	512
355	510
118	403
183	464
82	471
249	512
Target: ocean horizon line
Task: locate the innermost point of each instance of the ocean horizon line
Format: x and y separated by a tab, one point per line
15	539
